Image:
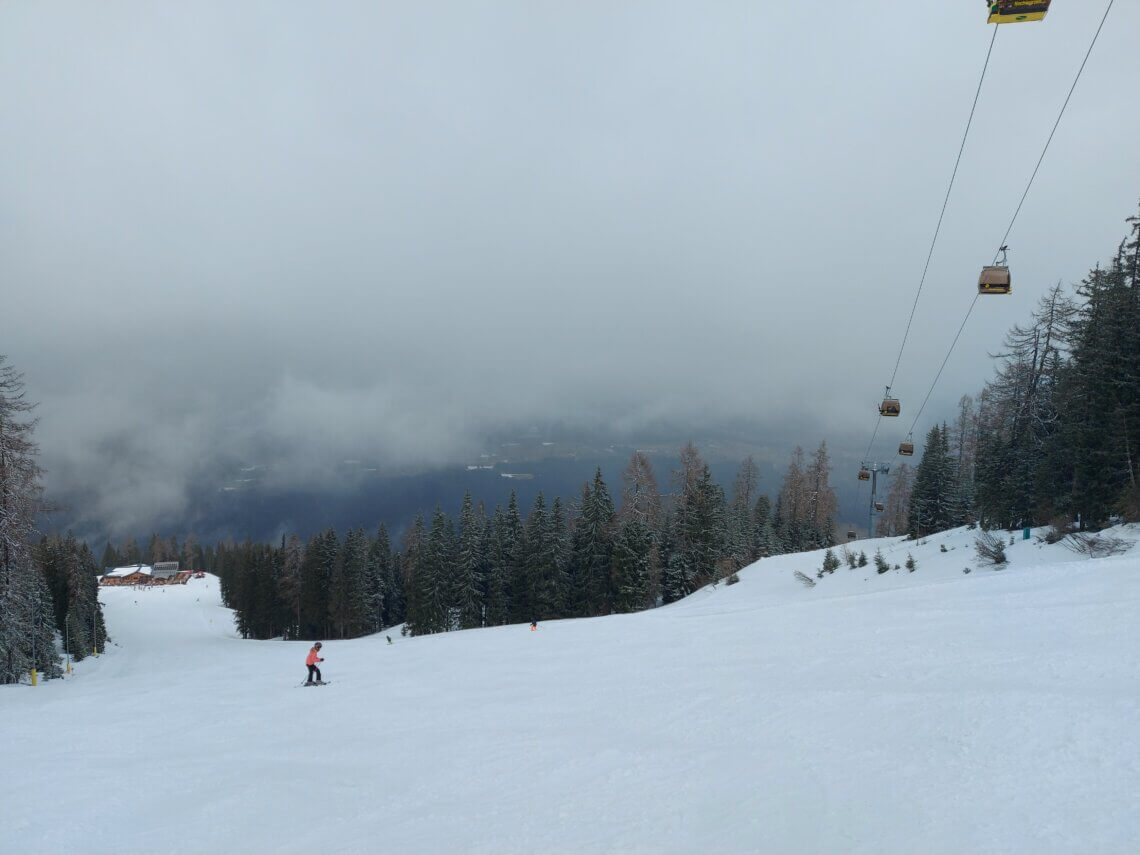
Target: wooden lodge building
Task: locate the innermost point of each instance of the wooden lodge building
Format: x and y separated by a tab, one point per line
161	573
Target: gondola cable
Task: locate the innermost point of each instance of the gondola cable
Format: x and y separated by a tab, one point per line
937	230
1103	18
942	213
1002	245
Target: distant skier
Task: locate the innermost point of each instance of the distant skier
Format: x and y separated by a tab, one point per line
313	658
533	625
389	638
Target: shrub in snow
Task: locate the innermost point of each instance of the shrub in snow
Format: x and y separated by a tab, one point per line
942	548
850	558
989	549
1095	545
862	559
880	562
807	580
830	562
732	579
911	565
966	570
1059	529
971	526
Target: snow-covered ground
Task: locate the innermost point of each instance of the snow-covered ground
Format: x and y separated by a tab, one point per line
931	712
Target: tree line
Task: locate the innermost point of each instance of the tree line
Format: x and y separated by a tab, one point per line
591	556
47	589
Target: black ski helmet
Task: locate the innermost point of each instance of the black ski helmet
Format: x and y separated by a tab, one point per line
317	645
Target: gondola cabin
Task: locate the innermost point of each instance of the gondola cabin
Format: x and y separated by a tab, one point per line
906	449
879	507
994	280
1017	11
864	474
890	407
851	535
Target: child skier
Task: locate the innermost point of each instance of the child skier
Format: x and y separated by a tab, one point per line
313	658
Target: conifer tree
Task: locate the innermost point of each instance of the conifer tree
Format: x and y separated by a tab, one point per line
289	583
433	574
516	564
348	586
578	593
468	595
417	619
934	498
500	559
763	536
632	550
593	548
541	570
698	535
560	552
395	598
26	613
377	592
316	573
110	558
741	525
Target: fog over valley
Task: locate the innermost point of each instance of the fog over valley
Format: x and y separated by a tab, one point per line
285	236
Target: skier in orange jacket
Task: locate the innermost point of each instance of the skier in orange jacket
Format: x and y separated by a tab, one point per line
311	660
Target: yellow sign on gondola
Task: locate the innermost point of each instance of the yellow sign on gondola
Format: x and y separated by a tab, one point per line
1016	11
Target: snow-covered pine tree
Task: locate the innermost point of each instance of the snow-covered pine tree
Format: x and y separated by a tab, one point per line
830	562
763	536
435	582
632	549
698	534
500	556
289	583
592	550
378	591
741	528
71	575
26	613
934	498
1102	404
560	549
881	564
539	570
469	565
348	595
316	572
520	600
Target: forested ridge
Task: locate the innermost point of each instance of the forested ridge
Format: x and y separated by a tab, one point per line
593	555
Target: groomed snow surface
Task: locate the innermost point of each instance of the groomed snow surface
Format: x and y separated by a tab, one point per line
925	712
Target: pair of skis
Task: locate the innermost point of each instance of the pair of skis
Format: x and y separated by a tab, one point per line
315	683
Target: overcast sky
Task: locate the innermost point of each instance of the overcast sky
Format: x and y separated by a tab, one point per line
370	229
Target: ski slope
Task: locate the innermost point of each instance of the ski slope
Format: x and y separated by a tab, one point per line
932	712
